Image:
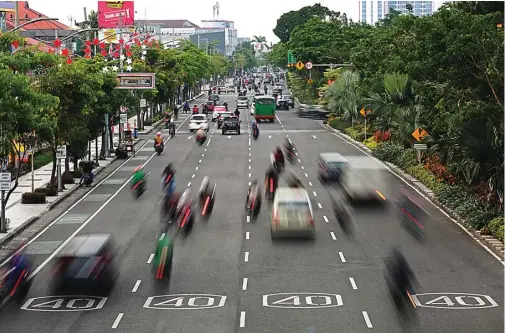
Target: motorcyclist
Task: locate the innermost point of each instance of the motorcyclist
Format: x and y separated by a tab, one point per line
138	175
184	201
200	134
195	109
204	188
279	156
186	106
225	104
17	266
237	112
158	139
271	173
400	271
253	193
167	176
255	128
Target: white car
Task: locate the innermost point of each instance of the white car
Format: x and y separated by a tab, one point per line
252	109
292	214
242	102
198	120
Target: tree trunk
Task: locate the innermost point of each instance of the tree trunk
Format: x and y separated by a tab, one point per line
96	150
53	172
111	136
102	150
67	164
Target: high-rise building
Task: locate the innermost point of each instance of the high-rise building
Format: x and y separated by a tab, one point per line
372	12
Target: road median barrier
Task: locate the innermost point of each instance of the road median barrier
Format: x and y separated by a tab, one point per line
490	242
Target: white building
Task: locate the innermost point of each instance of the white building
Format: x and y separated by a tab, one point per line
372	12
230	33
168	31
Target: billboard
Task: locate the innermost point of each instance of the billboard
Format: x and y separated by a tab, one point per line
115	14
144	81
112	35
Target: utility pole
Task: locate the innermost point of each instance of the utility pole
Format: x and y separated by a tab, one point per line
16	13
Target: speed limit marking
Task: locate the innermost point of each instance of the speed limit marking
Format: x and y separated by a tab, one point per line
308	65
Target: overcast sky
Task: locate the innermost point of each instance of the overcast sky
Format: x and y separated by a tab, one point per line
253	17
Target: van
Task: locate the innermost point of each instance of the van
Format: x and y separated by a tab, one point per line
363	178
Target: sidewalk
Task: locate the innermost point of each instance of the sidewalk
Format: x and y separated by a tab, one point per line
23	215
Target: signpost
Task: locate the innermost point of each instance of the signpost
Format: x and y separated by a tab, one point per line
420	146
5	185
123	118
419	134
61	154
365	113
308	65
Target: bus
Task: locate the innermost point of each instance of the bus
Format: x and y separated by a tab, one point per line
264	108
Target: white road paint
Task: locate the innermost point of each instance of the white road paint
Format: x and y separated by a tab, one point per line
242	318
314	137
200	161
306	175
249	160
189	184
249	183
315	194
136	286
310	183
303	168
244	284
189	138
203	153
118	320
248	218
193	176
249	175
269	136
249	167
151	257
332	234
325	219
341	255
247	234
249	153
196	169
229	136
246	257
299	161
249	148
208	142
319	205
249	140
353	283
367	319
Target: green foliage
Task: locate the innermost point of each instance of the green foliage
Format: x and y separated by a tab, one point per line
495	227
371	143
388	151
42	158
427	178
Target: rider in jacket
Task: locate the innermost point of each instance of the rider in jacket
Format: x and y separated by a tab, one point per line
279	156
158	139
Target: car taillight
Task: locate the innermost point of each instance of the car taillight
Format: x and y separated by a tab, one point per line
311	220
322	167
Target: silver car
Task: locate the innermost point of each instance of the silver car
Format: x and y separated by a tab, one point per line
292	214
242	102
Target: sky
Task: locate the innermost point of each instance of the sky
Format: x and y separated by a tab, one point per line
252	17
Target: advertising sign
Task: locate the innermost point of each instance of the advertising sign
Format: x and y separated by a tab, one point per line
136	81
112	35
115	14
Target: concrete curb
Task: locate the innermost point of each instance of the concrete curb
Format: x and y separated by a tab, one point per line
492	243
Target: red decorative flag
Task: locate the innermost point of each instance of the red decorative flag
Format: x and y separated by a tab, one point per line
129	54
127	46
87	49
102	45
88	43
118	47
69	60
96	41
148	36
65	52
116	54
57	43
104	53
15	44
121	41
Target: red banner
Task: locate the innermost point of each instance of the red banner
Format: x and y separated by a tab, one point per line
115	14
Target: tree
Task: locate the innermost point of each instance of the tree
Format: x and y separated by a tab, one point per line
290	20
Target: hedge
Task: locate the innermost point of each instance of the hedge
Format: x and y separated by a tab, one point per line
42	158
30	198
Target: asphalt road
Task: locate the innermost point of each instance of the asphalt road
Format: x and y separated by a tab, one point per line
228	275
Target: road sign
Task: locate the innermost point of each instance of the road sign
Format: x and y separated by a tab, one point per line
420	146
364	112
308	65
299	65
185	302
419	134
64	303
454	301
61	152
5	181
321	94
291	58
136	81
123	118
309	81
302	300
143	103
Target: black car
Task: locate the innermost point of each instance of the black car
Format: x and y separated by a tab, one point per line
330	167
88	261
313	112
282	103
221	118
290	99
214	98
231	124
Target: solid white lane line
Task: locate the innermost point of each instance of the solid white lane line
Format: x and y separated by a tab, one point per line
193	176
325	219
367	319
246	257
242	318
247	235
136	286
244	284
315	194
341	255
151	257
248	218
353	283
306	176
319	205
118	320
310	184
332	234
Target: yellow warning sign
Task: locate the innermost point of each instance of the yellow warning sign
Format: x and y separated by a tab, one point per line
364	112
419	134
309	81
299	65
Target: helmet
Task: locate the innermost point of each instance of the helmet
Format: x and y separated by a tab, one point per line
158	134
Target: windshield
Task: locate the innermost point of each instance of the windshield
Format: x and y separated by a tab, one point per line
242	98
226	115
289	208
265	101
198	118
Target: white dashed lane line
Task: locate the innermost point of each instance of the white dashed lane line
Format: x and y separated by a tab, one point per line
353	283
368	322
303	168
196	169
315	194
299	161
136	286
319	205
151	257
332	234
244	284
246	257
193	176
248	217
242	319
325	219
118	320
189	184
306	175
247	235
189	138
341	255
310	184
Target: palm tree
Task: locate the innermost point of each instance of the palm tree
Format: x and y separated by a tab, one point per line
260	40
343	97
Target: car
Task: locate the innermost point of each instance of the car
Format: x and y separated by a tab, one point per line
196	121
87	261
290	99
282	103
365	179
242	102
330	167
214	98
221	117
252	109
229	89
259	94
292	214
217	110
208	106
231	124
313	112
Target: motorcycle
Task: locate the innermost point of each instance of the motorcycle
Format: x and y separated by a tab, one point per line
167	123
290	155
277	164
185	109
270	187
200	139
207	199
87	178
253	206
163	255
139	188
158	148
256	134
172	130
187	219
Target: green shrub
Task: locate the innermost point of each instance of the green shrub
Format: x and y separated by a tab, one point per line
371	143
67	178
51	190
388	151
338	124
40	190
356	133
426	177
30	198
495	227
42	158
407	159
